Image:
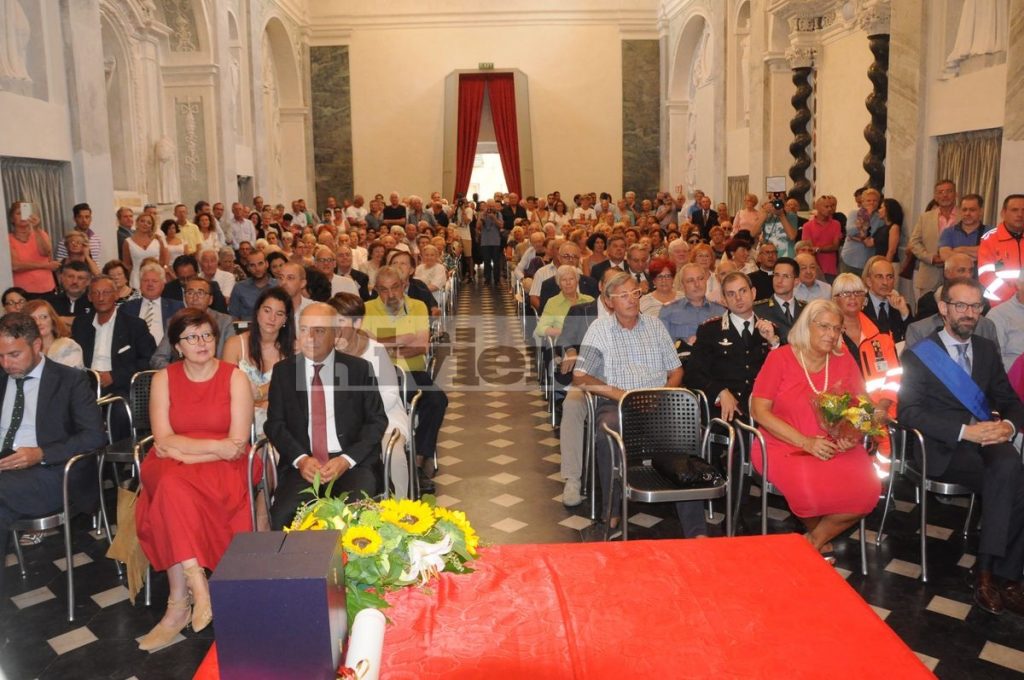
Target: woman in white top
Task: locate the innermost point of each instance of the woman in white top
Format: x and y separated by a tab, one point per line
432	272
175	246
559	215
354	342
142	244
57	343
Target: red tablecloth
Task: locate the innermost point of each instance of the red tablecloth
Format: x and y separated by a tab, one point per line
748	607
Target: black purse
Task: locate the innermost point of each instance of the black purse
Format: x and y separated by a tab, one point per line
687	471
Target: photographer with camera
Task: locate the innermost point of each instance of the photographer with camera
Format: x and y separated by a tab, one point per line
778	227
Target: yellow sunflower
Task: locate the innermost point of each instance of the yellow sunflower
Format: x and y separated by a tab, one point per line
415	517
363	541
309	522
458	518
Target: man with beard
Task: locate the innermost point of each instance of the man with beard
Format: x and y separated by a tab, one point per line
952	380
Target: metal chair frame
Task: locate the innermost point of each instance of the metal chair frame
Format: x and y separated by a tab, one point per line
747	470
53	520
622	464
899	433
268	481
411	404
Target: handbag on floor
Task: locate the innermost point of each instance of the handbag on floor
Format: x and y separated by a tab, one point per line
125	546
687	471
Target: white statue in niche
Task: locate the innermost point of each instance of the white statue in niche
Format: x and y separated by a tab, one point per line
703	60
744	58
236	92
981	31
164	152
15	33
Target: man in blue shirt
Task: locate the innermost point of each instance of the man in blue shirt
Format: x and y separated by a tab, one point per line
245	293
682	317
964	236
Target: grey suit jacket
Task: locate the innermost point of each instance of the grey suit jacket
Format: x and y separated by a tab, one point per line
919	330
165	353
924	243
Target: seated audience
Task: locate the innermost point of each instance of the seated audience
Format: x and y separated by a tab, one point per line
56	336
685	315
59	419
324	419
1009	322
14	299
245	293
431	272
197	296
186	267
195	477
828	484
402	261
663	273
355	342
115	269
71	301
886	308
952	381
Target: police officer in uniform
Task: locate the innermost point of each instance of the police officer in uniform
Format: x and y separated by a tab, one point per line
781	308
730	349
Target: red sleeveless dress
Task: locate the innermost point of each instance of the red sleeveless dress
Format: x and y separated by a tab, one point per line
193	510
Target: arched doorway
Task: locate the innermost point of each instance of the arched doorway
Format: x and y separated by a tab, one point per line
691	107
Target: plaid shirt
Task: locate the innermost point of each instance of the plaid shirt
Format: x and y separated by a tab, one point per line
628	359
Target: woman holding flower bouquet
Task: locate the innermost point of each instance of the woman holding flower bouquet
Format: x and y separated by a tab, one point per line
823	471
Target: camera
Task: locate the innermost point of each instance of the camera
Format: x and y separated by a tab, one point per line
778	204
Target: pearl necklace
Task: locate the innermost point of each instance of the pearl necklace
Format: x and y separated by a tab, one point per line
800	358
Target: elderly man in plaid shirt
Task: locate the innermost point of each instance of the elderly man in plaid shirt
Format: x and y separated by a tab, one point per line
628	351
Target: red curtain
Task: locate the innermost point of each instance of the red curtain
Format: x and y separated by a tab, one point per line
502	91
471	102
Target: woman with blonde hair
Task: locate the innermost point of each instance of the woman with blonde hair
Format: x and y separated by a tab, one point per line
829	483
57	343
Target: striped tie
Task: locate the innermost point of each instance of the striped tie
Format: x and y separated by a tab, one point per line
147	316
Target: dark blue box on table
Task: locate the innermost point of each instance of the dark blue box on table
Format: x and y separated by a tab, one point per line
279	606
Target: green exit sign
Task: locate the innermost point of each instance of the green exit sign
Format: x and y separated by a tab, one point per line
486	65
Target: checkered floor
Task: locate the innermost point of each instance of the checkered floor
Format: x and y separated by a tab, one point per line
499	462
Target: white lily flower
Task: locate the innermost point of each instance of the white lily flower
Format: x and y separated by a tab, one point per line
426	559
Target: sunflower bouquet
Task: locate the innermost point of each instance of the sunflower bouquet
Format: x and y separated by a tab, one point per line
390	544
846	416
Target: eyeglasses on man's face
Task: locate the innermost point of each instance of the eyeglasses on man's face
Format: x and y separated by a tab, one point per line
635	294
961	307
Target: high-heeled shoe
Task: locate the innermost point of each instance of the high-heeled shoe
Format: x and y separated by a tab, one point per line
202	610
162	634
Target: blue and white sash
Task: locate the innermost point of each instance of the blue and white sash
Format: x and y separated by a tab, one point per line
954	377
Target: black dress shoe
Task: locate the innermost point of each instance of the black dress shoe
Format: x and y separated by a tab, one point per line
1013	597
426	483
987	594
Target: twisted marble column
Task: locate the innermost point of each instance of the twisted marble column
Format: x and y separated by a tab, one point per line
877	104
801	137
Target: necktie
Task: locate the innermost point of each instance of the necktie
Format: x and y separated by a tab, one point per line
883	317
638	279
786	313
148	315
963	359
748	337
16	415
705	217
319	404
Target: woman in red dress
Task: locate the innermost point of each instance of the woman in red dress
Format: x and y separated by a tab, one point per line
194	495
828	484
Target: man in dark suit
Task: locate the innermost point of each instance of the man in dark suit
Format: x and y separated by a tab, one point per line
185	267
729	350
72	301
153	308
345	268
638	257
761	278
886	308
964	444
616	258
48	414
705	218
956	266
115	344
781	308
325	416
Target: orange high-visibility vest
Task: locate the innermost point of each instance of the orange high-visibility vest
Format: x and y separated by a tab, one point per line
999	264
880	364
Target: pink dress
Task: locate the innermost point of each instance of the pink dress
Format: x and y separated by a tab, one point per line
846	484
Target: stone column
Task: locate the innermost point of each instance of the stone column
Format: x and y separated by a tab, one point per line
801	60
874	20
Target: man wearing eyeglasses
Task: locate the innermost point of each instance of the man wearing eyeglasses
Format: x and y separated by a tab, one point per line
952	382
197	296
625	351
568	253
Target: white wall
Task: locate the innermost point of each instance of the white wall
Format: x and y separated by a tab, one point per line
398	115
842	87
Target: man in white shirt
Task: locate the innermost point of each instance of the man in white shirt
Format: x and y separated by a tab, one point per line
241	227
156	311
356	213
809	286
208	267
325	262
584	214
